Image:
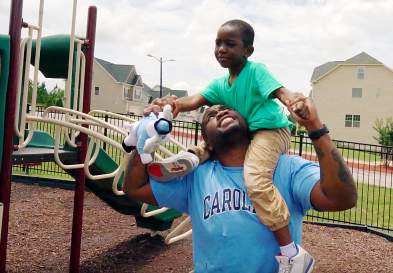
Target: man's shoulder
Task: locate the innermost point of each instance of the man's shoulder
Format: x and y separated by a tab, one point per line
287	158
205	166
291	163
212	166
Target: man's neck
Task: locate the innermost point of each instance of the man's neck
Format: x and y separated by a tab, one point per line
233	157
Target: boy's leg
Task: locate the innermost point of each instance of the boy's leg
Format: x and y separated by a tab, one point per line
261	159
180	164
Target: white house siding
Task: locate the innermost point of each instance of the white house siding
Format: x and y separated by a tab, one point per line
110	97
333	97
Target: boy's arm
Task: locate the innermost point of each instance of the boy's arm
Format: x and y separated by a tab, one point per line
188	103
336	188
285	96
136	181
183	104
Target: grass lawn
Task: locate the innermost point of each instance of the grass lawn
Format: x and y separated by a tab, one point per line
347	153
374	208
51	171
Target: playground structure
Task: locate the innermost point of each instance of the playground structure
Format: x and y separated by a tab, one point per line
70	58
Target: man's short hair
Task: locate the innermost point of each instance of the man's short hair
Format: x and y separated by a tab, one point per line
246	30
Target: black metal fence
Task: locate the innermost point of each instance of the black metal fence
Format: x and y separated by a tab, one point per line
369	165
374	180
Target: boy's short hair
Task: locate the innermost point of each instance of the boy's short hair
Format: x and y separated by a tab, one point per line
246	30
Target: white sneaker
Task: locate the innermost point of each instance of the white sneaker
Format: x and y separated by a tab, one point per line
174	166
302	262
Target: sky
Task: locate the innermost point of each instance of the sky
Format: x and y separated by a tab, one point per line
291	37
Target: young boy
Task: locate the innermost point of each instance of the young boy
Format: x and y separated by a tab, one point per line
250	89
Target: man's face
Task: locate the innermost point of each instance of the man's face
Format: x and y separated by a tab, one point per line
230	51
220	124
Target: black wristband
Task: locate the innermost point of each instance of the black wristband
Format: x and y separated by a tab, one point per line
314	135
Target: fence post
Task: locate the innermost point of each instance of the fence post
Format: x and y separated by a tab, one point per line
105	132
196	133
301	145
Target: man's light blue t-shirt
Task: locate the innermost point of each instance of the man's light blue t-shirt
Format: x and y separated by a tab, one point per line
227	235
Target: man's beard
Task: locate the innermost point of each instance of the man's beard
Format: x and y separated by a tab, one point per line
233	137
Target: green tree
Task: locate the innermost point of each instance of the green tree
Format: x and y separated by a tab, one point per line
45	98
384	129
42	93
55	97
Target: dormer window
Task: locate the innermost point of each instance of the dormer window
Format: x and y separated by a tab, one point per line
137	93
360	73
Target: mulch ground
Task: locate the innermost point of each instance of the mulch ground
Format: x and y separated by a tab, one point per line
40	232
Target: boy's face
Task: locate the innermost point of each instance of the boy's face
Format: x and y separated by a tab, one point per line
230	51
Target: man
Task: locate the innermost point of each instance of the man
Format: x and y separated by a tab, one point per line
227	234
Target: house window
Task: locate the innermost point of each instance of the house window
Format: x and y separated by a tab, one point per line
357	92
137	93
360	73
352	121
96	90
348	120
356	121
127	93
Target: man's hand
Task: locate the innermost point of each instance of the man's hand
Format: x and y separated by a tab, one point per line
304	112
158	104
336	189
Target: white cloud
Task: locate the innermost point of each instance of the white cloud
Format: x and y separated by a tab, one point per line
292	37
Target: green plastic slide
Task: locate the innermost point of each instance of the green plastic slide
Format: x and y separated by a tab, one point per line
4	71
123	204
54	58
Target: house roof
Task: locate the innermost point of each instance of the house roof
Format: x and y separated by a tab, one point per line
361	58
155	92
121	72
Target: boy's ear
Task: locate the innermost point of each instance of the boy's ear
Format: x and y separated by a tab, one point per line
249	50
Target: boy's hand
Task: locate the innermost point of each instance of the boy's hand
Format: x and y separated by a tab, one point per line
158	104
305	113
285	96
177	104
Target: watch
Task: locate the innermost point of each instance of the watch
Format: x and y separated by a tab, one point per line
314	135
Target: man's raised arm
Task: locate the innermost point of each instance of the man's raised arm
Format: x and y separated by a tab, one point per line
136	181
336	189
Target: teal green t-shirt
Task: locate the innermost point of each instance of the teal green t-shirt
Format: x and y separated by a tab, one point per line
250	96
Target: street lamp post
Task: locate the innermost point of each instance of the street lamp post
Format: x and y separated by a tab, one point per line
161	61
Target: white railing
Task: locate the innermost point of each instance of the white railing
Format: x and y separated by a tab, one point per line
75	124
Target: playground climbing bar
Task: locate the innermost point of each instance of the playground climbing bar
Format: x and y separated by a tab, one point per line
6	165
80	175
